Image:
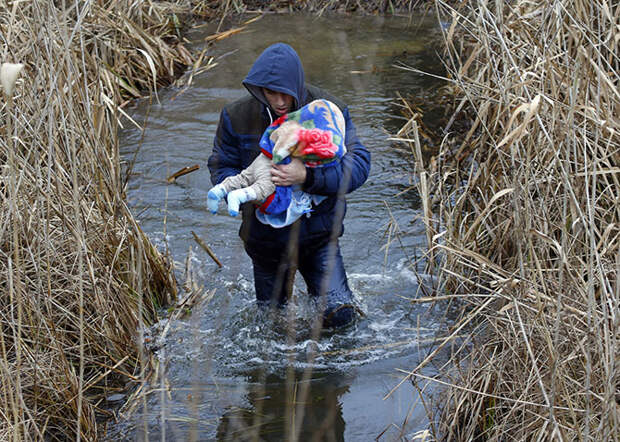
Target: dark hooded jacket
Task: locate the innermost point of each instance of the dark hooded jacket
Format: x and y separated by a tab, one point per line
236	145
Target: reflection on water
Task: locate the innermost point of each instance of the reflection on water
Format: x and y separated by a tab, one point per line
272	416
237	372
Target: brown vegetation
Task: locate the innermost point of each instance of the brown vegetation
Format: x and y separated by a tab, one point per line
222	7
78	276
528	230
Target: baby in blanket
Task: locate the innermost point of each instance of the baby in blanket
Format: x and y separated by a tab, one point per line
315	133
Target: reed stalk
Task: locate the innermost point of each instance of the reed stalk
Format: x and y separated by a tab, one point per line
79	277
529	215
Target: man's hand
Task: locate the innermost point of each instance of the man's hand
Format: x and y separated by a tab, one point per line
288	174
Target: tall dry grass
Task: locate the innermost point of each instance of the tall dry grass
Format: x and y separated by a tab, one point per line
77	274
223	8
528	224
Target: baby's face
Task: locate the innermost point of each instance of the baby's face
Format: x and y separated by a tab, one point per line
285	140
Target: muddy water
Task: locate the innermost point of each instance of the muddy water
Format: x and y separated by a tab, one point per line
233	371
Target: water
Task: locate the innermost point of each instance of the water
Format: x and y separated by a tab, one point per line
232	369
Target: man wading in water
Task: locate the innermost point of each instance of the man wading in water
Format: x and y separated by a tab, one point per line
310	245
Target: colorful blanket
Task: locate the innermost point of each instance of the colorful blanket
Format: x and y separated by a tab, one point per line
315	133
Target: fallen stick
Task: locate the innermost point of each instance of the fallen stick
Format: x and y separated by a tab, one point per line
181	172
207	249
224	34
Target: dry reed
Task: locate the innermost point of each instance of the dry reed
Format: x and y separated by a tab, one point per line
527	205
223	8
78	275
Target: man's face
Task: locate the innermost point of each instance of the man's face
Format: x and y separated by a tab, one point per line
279	102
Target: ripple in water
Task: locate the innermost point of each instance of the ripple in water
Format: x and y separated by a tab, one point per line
236	334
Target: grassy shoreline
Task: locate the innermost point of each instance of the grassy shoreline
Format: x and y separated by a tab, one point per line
79	276
528	220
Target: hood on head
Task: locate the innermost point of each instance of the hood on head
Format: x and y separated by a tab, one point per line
278	68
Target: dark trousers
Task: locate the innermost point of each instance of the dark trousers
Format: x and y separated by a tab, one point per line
321	267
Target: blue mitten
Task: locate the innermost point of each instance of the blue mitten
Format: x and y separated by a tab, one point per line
214	197
238	197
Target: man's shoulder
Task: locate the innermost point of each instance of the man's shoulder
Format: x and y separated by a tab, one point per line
244	106
245	115
316	93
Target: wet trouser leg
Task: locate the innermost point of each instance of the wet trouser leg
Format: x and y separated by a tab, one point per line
273	275
323	271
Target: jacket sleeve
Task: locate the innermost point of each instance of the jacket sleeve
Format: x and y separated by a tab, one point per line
345	176
225	160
